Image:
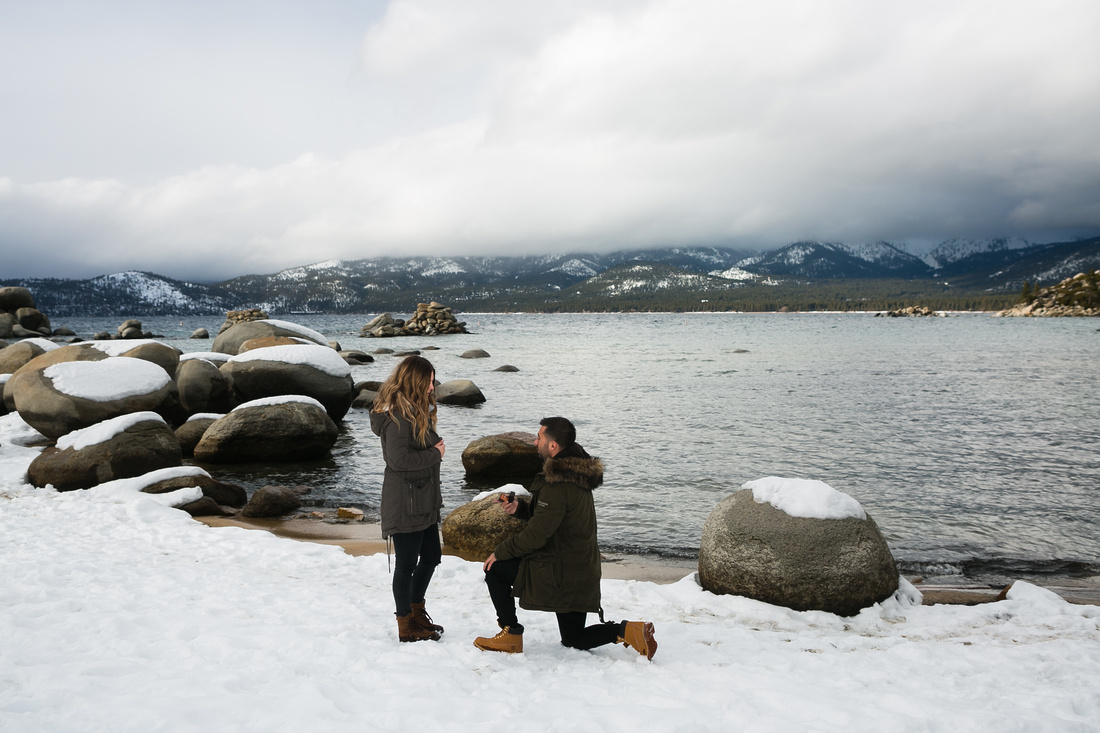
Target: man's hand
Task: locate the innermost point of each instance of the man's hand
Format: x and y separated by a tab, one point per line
489	561
508	506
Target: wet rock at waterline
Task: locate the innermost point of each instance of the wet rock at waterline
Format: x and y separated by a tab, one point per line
458	392
504	456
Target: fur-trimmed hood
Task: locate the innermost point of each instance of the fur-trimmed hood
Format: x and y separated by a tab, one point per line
584	472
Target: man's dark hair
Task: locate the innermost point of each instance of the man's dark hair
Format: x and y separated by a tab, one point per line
560	430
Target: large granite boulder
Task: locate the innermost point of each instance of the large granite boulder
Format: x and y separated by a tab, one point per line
458	392
505	456
121	447
475	529
300	369
74	352
77	394
7	326
230	340
831	558
16	355
290	428
13	297
265	341
203	387
163	355
33	319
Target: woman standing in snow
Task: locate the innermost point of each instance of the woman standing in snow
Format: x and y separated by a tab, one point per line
404	417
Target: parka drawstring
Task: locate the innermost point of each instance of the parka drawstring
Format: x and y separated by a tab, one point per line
388	568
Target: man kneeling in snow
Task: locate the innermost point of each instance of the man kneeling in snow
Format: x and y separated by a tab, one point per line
554	563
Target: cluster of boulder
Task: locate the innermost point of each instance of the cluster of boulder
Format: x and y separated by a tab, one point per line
269	391
20	317
129	329
232	318
430	319
749	547
1073	297
913	311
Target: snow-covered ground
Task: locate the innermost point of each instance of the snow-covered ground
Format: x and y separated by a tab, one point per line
118	613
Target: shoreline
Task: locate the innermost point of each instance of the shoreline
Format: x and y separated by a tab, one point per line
363	538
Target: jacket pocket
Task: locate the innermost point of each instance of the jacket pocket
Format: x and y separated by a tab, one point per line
419	494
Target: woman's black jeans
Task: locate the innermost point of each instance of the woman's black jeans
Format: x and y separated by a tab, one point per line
417	554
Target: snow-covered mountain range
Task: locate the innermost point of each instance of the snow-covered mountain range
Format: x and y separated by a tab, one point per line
397	283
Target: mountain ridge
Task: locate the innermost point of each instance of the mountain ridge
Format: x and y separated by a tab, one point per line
379	284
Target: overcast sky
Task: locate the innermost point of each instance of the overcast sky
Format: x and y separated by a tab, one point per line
204	140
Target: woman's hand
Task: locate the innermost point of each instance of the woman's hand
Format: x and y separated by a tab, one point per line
441	448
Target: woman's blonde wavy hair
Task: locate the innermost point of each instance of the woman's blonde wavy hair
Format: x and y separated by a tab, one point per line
405	393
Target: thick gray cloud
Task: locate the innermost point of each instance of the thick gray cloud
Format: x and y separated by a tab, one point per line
208	142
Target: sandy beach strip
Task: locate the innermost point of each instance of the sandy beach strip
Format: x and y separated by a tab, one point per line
365	538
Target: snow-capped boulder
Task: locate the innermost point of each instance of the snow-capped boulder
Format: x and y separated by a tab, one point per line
506	456
202	387
190	433
458	392
263	342
220	492
229	341
799	544
16	355
288	428
300	369
122	447
77	394
474	530
55	355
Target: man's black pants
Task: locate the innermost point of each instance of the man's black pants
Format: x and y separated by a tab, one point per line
500	579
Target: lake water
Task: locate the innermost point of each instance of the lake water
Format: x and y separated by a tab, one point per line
971	440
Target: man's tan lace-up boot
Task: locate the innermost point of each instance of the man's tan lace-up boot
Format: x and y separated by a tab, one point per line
505	641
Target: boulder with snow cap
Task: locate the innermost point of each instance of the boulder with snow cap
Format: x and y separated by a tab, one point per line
77	394
264	341
279	429
300	369
202	387
799	544
16	355
171	479
230	340
190	432
474	529
122	447
165	356
73	352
